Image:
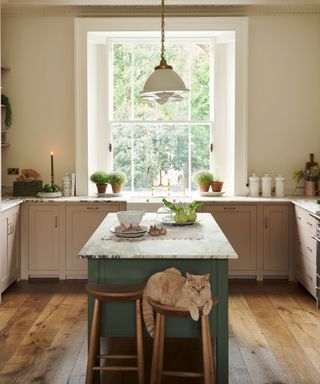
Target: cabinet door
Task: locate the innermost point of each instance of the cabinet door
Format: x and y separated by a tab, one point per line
276	238
239	224
81	222
44	239
13	244
3	252
9	268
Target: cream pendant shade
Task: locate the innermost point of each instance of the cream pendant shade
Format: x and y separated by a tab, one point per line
162	85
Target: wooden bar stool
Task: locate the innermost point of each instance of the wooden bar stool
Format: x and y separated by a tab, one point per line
158	345
119	294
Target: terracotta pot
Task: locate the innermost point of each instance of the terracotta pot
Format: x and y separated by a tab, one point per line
101	188
116	188
204	187
309	188
217	186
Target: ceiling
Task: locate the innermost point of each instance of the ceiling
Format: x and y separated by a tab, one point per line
48	3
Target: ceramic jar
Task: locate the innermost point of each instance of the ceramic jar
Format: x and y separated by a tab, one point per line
279	185
66	185
266	185
254	185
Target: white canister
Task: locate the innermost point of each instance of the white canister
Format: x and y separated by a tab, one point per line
66	185
254	185
279	185
266	185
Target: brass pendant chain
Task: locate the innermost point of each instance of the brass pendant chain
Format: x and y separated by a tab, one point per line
162	30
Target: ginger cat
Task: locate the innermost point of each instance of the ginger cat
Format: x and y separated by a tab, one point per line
169	287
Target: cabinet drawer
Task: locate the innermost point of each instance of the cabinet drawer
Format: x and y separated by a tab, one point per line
305	272
307	245
305	221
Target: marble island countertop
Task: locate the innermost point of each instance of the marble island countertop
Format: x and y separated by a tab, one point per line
203	240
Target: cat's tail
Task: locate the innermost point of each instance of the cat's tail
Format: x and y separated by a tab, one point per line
148	315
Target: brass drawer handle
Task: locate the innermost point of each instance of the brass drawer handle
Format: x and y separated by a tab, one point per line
229	208
308	222
309	249
93	208
56	221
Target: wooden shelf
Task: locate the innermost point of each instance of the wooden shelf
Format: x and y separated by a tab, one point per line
3	68
4	145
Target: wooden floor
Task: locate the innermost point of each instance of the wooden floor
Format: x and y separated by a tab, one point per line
274	335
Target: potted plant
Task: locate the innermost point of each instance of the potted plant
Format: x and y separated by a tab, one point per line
311	176
116	179
100	178
216	184
203	179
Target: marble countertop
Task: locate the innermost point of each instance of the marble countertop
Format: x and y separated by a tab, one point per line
135	202
203	240
7	204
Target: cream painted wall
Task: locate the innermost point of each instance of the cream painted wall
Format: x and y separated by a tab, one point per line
40	85
284	93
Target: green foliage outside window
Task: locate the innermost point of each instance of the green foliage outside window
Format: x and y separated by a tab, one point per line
141	149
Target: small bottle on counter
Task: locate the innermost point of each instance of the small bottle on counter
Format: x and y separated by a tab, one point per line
254	185
266	185
66	185
279	185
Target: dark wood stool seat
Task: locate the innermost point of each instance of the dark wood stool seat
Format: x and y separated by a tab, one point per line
158	345
120	294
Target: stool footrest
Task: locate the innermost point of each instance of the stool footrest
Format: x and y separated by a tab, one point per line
115	368
117	356
182	374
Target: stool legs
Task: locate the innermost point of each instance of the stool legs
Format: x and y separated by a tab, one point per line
94	341
161	348
139	336
207	351
155	350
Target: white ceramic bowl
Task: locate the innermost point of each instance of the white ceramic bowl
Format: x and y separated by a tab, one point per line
130	217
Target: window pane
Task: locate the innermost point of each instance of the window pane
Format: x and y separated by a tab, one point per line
122	146
133	63
122	81
155	147
159	147
200	148
200	91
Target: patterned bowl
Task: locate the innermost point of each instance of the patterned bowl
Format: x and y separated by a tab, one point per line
130	217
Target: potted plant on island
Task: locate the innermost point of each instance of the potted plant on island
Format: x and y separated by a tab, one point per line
116	179
100	178
203	179
216	184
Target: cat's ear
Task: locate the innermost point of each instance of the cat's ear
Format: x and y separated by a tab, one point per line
206	277
188	276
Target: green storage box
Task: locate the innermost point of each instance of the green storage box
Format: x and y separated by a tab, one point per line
21	188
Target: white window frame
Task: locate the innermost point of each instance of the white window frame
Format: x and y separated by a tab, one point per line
85	25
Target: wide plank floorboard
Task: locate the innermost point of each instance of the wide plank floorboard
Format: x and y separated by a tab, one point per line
274	336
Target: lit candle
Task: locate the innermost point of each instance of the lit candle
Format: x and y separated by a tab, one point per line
52	175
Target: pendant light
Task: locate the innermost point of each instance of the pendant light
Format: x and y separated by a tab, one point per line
164	83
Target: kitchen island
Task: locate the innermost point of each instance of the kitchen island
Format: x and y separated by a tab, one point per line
198	249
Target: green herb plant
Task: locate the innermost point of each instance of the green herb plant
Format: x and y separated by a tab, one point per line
116	178
99	177
202	177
